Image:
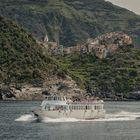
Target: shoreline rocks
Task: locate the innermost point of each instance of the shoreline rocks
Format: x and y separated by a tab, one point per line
67	87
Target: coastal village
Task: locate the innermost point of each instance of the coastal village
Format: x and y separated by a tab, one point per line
102	46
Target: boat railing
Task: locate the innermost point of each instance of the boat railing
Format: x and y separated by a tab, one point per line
85	102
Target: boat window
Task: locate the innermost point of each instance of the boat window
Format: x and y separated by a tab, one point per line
55	98
49	98
60	98
95	107
78	107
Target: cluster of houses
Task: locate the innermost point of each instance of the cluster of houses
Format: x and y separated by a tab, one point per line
102	46
107	44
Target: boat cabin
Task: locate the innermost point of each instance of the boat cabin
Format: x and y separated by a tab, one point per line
52	103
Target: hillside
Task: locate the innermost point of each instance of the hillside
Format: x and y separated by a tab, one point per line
25	72
114	73
76	20
21	60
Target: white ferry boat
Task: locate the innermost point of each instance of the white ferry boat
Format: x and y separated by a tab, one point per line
59	107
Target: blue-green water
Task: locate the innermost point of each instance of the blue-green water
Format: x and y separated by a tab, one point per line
121	123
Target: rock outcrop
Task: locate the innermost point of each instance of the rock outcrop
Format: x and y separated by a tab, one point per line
6	94
54	85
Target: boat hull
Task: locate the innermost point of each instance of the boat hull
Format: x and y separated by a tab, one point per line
78	114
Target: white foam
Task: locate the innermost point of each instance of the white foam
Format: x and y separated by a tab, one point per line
123	115
120	116
47	120
26	118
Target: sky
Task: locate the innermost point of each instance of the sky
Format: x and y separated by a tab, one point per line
132	5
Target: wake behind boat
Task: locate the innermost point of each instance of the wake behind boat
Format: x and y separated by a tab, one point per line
59	107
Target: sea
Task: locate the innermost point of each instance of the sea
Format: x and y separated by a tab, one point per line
122	122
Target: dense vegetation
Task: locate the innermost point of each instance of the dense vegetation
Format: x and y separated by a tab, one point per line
21	60
117	75
76	20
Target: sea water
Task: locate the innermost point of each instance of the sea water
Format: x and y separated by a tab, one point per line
122	122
